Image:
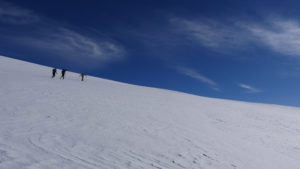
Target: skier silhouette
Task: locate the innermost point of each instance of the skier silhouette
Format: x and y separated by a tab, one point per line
63	72
53	72
82	76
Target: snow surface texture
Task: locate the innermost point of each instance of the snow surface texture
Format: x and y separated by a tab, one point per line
68	124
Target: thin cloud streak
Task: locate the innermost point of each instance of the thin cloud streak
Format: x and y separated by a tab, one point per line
249	88
283	37
14	15
212	34
52	37
197	76
74	46
280	35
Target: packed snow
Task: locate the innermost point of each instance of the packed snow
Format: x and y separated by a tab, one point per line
101	124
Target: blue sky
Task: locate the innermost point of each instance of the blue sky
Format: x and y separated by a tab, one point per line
240	50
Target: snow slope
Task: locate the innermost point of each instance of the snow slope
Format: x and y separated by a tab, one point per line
68	124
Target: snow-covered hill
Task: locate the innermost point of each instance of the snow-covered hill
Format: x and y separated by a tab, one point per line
68	124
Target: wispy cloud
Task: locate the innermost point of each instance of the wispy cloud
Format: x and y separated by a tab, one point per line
249	88
281	35
197	76
74	46
58	40
211	33
15	15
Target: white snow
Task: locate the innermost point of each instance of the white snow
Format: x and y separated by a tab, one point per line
68	124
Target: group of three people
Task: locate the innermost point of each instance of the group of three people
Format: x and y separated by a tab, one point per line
63	72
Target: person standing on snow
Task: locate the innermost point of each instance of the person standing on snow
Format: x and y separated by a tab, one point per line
82	76
53	72
63	72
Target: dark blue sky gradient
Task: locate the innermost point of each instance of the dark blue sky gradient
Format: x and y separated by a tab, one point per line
159	43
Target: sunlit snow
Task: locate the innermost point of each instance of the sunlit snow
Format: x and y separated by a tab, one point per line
101	124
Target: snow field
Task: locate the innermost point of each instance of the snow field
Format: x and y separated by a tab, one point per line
68	124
